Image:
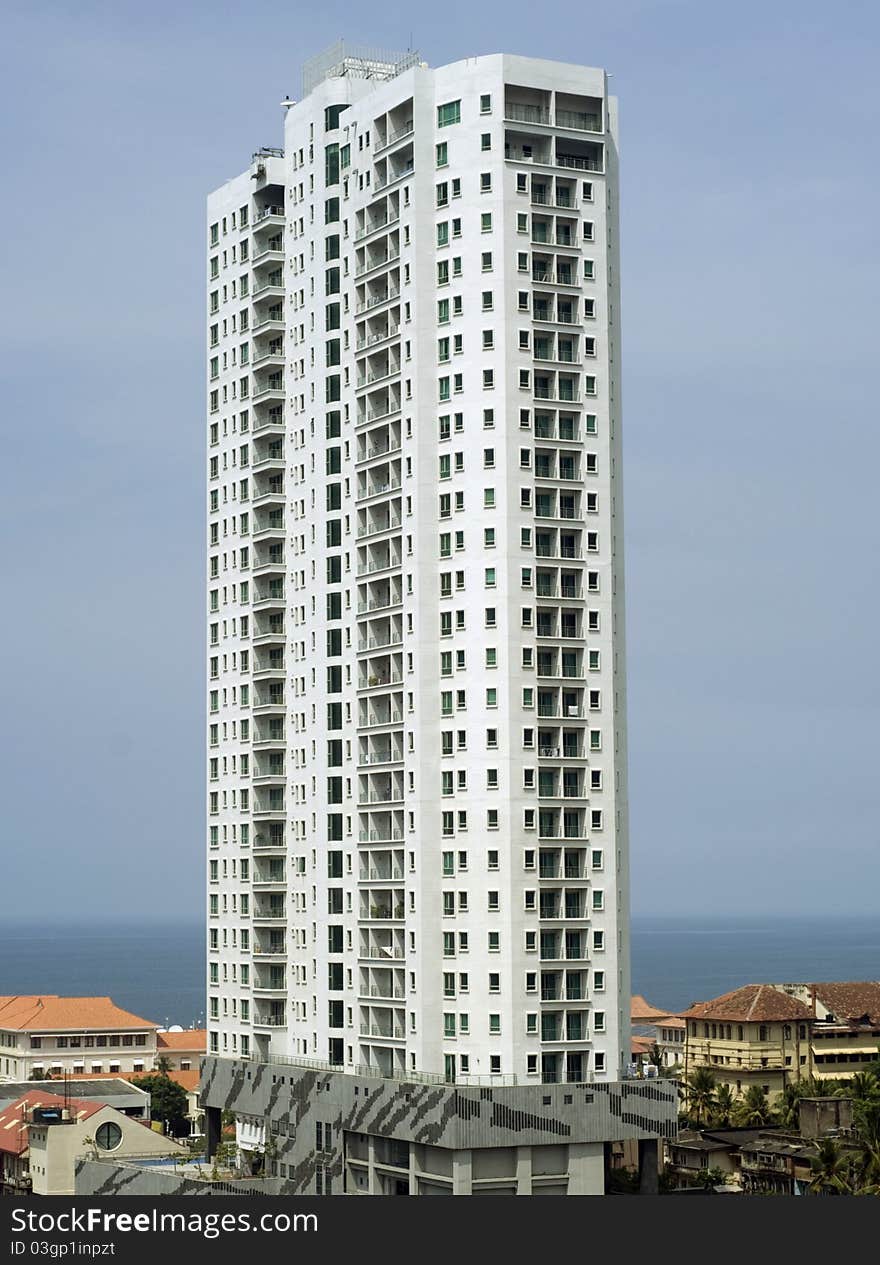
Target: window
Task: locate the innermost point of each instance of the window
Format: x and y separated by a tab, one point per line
442	154
486	141
494	1024
448	113
485	105
486	260
486	222
485	181
108	1135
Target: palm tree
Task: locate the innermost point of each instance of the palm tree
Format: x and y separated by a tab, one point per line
725	1104
753	1109
862	1088
816	1087
788	1104
700	1093
829	1167
865	1093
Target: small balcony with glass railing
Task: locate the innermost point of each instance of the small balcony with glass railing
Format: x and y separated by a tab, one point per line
379	670
374	596
378	826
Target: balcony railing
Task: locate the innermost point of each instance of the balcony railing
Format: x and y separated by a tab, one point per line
522	113
579	120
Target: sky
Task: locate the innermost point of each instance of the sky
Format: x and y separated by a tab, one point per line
750	281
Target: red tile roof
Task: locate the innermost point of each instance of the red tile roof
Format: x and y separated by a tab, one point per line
50	1013
195	1039
753	1003
641	1011
14	1118
851	1001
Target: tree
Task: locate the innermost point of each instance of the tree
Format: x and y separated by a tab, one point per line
816	1087
700	1093
725	1105
753	1109
864	1090
788	1104
168	1102
830	1168
655	1056
711	1177
163	1063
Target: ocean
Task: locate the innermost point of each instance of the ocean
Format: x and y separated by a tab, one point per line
156	971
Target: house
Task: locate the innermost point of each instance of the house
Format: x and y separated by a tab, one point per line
181	1048
845	1034
187	1079
777	1163
697	1151
47	1035
754	1035
661	1028
771	1034
42	1134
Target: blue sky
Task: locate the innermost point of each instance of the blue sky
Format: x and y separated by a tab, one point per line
750	282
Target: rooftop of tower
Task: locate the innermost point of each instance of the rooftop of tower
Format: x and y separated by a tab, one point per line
357	60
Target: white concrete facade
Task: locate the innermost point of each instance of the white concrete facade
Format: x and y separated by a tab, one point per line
417	814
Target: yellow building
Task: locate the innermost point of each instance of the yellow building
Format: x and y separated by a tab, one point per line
772	1034
756	1035
846	1025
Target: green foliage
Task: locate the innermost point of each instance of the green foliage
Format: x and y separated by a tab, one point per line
623	1181
711	1177
699	1094
723	1107
852	1170
753	1110
168	1102
224	1158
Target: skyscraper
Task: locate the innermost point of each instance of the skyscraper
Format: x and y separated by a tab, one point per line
418	859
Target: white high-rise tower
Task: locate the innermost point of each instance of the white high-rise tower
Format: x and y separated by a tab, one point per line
416	732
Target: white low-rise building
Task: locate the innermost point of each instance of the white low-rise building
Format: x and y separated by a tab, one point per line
46	1036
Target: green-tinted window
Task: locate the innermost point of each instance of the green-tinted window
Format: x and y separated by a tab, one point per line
442	154
331	165
331	116
448	113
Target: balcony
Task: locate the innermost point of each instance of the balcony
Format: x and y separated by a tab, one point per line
272	287
377	300
269	1020
269	388
375	226
578	120
520	112
387	1032
268	217
392	138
